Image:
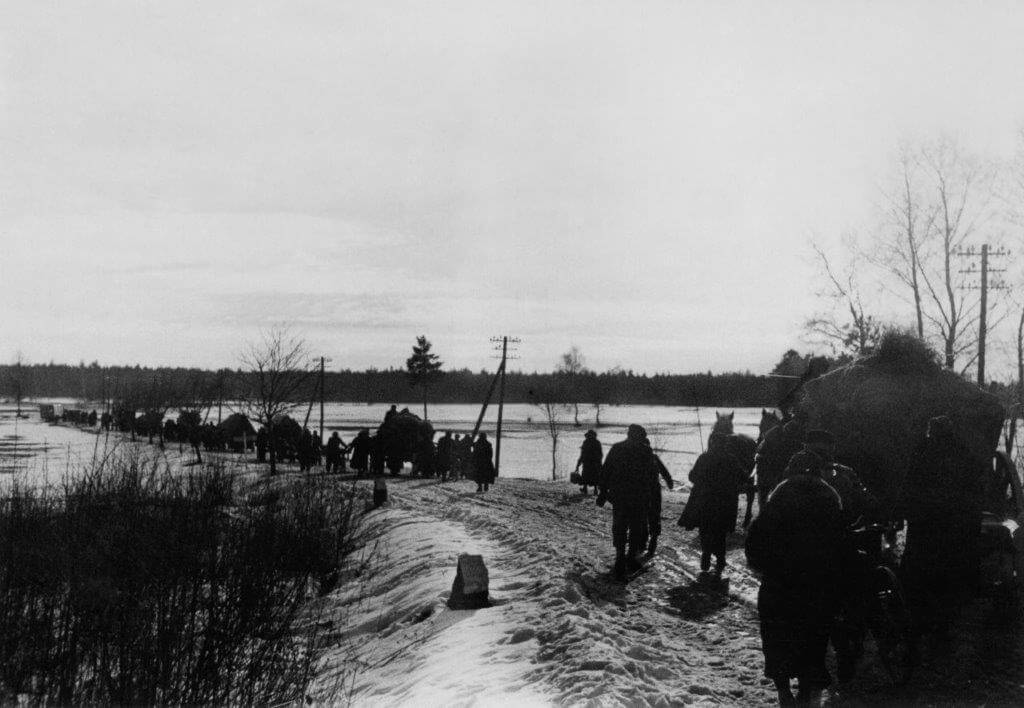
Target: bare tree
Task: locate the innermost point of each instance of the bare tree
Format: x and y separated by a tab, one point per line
960	189
550	400
908	222
280	378
847	328
939	201
197	397
573	364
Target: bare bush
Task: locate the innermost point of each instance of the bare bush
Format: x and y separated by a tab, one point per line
132	585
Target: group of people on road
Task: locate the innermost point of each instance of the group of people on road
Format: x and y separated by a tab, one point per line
805	542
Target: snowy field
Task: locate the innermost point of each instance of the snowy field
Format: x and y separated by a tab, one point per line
679	434
561	631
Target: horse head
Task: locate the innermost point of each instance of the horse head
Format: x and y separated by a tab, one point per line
769	420
723	423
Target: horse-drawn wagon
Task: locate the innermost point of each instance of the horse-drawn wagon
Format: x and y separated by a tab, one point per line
878	408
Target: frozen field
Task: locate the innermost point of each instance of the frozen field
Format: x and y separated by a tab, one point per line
679	434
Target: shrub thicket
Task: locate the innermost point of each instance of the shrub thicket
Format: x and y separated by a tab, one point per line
135	585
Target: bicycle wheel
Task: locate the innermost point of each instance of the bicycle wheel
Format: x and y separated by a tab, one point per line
890	627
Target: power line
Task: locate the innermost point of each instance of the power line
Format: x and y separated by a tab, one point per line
984	253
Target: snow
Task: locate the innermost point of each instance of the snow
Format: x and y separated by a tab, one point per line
561	631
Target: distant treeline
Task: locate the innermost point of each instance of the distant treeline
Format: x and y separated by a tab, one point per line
94	382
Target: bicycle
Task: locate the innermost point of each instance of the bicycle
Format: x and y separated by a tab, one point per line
876	604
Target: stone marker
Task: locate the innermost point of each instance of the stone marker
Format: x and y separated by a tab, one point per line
469	591
380	492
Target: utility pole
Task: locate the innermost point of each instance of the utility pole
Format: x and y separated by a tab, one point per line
323	360
321	400
984	287
501	393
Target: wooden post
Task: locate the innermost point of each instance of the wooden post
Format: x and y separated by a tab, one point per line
501	405
321	400
487	400
982	319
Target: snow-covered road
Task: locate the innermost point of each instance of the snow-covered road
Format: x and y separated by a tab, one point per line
563	633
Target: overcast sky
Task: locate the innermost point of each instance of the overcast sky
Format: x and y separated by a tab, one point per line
640	179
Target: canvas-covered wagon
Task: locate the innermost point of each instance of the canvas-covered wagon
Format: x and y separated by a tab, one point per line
878	409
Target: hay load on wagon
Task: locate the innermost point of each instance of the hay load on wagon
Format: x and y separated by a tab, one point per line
403	434
878	408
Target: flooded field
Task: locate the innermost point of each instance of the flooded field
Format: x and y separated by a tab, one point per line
679	434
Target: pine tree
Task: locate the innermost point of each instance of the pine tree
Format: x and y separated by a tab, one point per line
423	368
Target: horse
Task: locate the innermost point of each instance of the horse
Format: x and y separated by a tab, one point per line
769	420
743	448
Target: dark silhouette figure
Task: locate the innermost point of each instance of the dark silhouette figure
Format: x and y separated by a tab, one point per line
305	450
718	478
773	454
659	475
626	482
391	413
591	455
425	458
483	463
941	503
465	448
797	545
443	459
360	447
334	453
816	460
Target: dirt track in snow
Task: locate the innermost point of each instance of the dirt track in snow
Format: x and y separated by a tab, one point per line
664	638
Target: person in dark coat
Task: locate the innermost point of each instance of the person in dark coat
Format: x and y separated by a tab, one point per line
305	450
591	454
625	481
443	458
942	505
391	413
816	459
425	458
360	455
333	453
797	546
377	455
466	454
659	475
718	478
773	453
483	464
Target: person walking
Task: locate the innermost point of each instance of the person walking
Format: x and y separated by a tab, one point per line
483	464
591	455
773	453
941	503
333	453
718	478
658	475
797	546
360	452
443	459
625	481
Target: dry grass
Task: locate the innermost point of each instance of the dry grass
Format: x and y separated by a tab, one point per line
134	585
